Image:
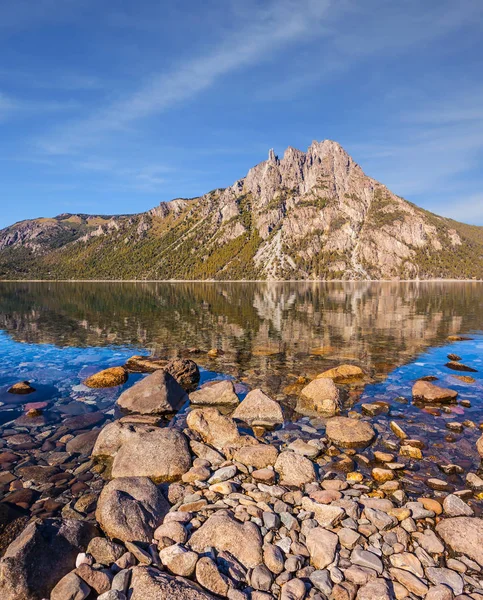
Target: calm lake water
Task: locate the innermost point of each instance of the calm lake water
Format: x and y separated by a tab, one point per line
268	334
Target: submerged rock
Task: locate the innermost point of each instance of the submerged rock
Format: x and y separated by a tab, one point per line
257	409
41	556
145	364
156	394
457	366
479	446
349	433
131	508
428	392
342	373
21	388
107	378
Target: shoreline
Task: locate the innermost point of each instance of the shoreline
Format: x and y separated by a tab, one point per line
326	505
270	281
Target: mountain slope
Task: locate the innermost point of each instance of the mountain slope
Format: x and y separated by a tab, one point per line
312	215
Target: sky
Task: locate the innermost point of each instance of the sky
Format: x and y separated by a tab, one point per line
113	107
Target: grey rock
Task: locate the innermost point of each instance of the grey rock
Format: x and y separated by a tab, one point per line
156	394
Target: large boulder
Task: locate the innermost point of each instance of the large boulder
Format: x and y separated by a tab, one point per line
224	533
156	394
147	582
425	391
320	396
131	508
220	393
185	371
343	374
159	453
112	437
257	409
107	378
349	433
40	556
215	429
294	469
463	535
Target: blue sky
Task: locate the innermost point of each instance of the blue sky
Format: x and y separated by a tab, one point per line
112	107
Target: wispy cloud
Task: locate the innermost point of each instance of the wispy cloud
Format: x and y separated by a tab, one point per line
269	29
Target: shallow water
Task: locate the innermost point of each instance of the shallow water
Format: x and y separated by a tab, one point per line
269	335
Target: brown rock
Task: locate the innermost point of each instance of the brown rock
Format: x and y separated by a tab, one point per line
147	582
220	393
210	578
185	371
21	388
294	469
215	429
320	396
145	364
257	409
70	587
321	545
131	508
98	580
343	373
222	532
349	433
424	391
156	394
107	378
463	535
161	454
259	456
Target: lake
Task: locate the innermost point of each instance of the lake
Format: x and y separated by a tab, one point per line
275	336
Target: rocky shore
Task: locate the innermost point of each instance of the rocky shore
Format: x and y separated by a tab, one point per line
186	492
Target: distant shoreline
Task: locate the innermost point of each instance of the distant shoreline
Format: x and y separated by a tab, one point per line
278	281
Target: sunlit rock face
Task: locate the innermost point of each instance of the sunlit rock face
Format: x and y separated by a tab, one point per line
308	215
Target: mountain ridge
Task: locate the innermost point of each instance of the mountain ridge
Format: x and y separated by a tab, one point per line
308	215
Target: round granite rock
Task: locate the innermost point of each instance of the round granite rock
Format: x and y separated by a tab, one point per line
349	433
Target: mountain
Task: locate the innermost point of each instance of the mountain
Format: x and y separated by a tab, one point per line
309	215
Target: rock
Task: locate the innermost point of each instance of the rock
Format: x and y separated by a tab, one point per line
83	443
367	559
220	393
222	532
457	366
215	429
41	556
185	372
21	388
326	515
70	587
408	562
446	577
382	475
172	530
261	578
98	580
104	551
156	394
259	456
207	453
293	590
179	560
455	507
320	395
463	535
321	545
425	391
342	373
258	410
429	541
145	364
377	589
107	378
273	558
321	580
112	436
349	433
479	446
409	581
159	453
439	592
131	508
148	582
294	469
208	576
